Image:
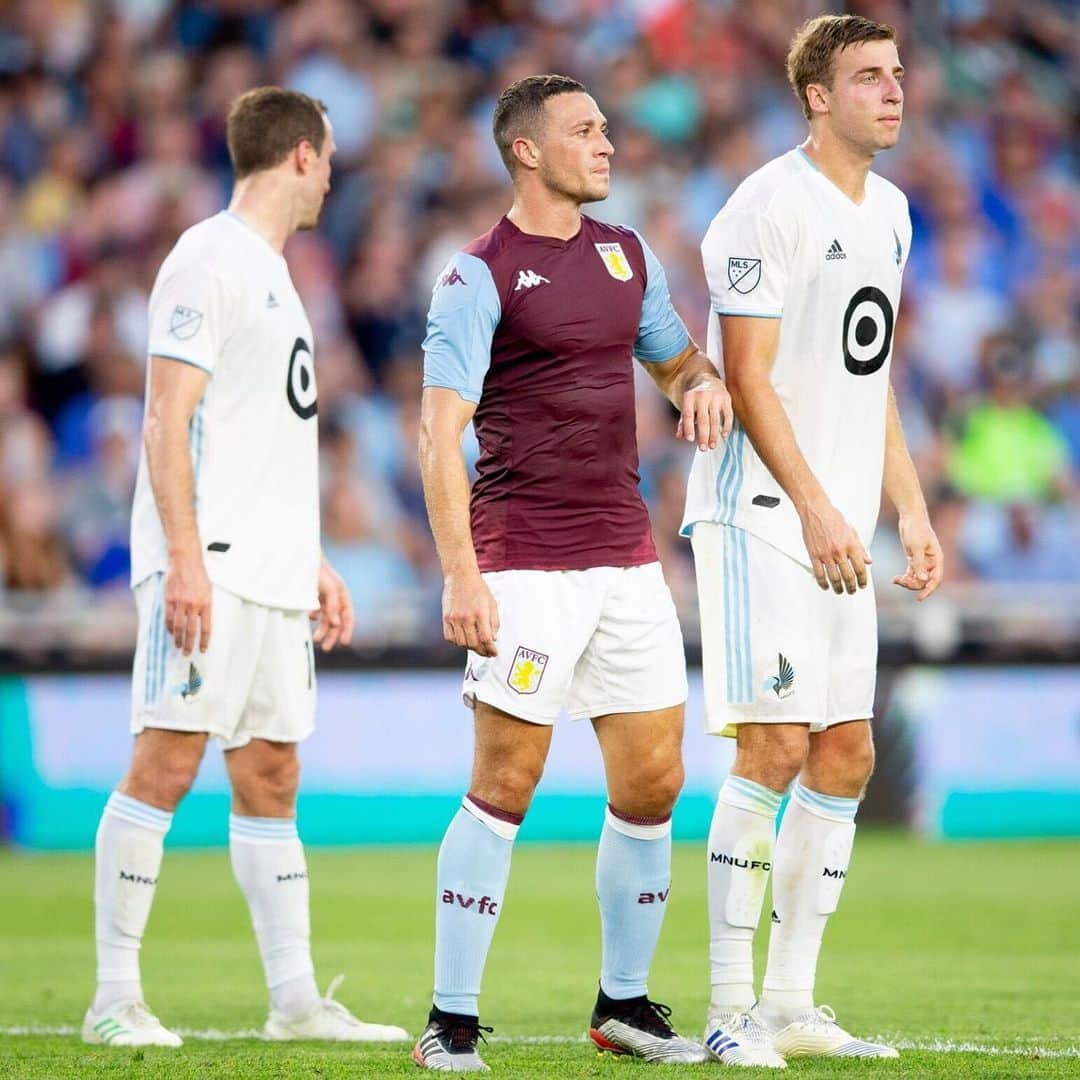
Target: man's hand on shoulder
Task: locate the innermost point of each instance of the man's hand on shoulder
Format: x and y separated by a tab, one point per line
706	412
837	555
187	602
926	564
470	614
335	610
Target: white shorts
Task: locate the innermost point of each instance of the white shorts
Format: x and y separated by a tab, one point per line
597	641
776	648
256	679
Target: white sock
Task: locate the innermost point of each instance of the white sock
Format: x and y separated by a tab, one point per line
128	850
811	860
740	858
268	862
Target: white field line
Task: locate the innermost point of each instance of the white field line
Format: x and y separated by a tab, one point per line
1019	1047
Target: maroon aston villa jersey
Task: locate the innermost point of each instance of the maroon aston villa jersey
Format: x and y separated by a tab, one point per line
542	333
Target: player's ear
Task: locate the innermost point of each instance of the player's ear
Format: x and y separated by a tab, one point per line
527	152
817	98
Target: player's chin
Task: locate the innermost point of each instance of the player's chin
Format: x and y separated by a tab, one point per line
597	189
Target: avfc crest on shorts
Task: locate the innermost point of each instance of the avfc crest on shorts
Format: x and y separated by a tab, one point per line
618	266
526	671
783	682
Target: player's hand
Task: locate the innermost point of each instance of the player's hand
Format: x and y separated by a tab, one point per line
187	603
925	565
837	555
335	611
470	614
706	413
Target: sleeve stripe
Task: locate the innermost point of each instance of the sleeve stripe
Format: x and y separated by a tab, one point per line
462	391
750	314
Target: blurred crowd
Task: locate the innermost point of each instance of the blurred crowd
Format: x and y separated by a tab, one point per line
112	142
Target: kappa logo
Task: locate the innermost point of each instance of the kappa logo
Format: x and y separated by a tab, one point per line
526	671
528	279
783	682
618	266
184	322
835	251
450	276
744	275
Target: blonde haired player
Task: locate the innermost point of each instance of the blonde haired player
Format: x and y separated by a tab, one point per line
226	567
804	265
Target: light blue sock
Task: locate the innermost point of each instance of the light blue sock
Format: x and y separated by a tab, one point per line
474	865
633	878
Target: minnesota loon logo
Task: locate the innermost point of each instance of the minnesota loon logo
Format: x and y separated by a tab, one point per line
616	262
193	685
783	682
526	671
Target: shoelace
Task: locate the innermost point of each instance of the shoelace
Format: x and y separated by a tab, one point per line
751	1031
652	1016
822	1016
463	1036
339	1010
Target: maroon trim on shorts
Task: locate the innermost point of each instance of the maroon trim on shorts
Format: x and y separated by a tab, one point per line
494	811
638	819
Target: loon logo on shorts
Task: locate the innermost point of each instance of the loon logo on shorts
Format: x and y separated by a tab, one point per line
193	685
783	682
526	671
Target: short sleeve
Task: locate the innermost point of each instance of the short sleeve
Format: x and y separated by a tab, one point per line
186	315
747	261
465	310
661	333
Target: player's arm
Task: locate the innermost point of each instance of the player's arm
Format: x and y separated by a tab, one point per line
465	309
692	384
837	555
175	390
470	615
685	375
925	561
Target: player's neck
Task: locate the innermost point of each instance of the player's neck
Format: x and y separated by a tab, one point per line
258	202
839	162
545	216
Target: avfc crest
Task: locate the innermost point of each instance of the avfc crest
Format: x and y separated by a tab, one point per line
526	671
783	682
618	266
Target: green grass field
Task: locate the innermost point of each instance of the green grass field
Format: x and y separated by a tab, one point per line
969	955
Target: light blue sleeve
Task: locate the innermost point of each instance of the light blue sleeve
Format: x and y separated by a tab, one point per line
464	312
661	333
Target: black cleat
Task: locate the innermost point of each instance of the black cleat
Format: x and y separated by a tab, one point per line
448	1043
639	1027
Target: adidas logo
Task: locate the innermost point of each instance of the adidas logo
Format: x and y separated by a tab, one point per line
271	300
835	251
528	278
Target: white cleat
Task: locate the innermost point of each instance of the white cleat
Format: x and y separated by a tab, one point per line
129	1023
332	1022
816	1033
737	1037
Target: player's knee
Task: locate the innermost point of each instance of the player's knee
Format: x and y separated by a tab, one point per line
164	783
775	758
269	789
651	789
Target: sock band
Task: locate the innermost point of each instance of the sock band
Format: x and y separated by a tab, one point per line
637	825
830	807
258	830
501	822
138	813
749	795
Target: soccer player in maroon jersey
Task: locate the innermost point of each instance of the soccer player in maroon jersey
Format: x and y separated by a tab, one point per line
551	578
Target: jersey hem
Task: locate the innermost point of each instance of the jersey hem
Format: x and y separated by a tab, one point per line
555	566
646	358
182	360
465	395
750	314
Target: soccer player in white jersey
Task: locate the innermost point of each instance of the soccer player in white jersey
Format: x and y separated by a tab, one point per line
804	265
227	570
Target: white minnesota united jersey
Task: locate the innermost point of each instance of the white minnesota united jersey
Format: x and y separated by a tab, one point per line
223	301
789	245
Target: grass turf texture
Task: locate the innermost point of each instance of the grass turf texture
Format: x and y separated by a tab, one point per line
964	943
